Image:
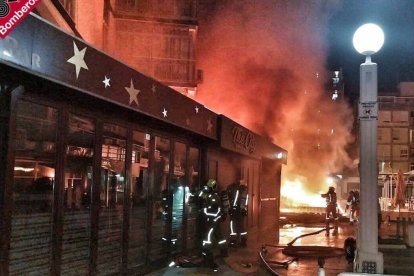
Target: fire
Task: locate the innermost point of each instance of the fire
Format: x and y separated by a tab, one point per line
272	80
295	195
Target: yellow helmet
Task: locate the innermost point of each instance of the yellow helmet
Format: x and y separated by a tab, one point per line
211	183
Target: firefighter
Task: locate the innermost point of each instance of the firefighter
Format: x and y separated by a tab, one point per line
352	203
331	213
212	217
238	211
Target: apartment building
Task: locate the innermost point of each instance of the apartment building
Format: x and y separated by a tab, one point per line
395	147
395	130
155	37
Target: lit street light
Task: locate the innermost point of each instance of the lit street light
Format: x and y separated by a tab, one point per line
368	40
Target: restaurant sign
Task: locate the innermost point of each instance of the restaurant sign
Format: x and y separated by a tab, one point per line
244	139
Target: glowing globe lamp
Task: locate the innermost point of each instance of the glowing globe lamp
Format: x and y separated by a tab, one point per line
368	39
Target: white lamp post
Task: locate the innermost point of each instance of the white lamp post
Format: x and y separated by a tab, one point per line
368	40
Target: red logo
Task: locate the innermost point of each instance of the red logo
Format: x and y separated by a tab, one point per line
12	12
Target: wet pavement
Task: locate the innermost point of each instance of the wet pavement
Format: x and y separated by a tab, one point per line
246	261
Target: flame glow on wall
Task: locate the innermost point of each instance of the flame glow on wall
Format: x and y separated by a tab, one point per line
263	66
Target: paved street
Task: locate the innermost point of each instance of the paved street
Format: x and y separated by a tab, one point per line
245	261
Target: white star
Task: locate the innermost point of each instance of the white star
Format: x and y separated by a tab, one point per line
196	109
106	82
164	113
133	93
78	59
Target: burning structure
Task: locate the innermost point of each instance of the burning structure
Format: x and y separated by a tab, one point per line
254	71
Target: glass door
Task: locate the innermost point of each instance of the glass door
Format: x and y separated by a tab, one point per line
138	199
112	199
77	196
161	211
34	179
191	199
178	189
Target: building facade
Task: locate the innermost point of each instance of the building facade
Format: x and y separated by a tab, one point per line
99	163
395	134
157	38
395	130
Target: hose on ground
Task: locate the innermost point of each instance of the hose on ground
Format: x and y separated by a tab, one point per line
301	251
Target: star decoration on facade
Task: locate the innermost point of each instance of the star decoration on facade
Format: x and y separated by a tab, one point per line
196	109
133	93
209	125
78	59
106	82
164	113
154	88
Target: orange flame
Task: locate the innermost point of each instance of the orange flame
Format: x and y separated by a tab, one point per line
294	194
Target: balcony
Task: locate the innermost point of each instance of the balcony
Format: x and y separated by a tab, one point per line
175	10
163	51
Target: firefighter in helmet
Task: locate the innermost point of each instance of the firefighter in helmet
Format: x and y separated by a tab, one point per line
213	215
238	211
352	203
331	213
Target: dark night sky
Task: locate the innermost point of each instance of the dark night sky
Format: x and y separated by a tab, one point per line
395	60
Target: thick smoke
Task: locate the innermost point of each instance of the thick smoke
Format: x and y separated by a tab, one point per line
263	66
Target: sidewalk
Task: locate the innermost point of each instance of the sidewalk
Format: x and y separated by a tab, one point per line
245	261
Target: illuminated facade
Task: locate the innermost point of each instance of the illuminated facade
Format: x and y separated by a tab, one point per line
99	163
158	38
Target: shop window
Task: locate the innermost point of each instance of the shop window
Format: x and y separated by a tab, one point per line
160	233
77	196
34	178
112	189
139	196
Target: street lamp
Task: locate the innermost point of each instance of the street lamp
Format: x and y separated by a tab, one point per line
368	39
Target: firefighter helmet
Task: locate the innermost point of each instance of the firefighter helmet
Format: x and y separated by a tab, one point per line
211	183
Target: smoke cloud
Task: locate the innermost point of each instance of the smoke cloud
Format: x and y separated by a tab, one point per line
264	66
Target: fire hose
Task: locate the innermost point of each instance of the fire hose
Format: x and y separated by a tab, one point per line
298	251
